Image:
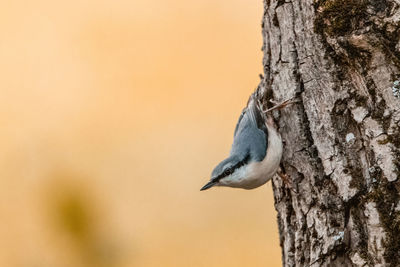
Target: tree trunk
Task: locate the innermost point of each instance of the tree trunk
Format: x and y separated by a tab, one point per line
341	59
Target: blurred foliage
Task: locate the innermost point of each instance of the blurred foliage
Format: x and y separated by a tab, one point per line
108	132
75	215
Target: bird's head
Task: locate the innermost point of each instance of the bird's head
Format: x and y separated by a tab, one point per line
229	170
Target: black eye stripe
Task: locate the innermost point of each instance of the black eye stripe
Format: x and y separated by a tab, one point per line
230	170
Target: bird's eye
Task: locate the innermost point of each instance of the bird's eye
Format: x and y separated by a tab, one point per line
228	172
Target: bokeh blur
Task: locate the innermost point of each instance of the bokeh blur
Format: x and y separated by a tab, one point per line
113	114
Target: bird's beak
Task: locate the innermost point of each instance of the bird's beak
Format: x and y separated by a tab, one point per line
208	185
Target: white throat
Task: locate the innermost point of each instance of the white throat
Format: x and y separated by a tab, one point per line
257	173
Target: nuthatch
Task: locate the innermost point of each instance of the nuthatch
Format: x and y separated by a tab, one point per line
255	154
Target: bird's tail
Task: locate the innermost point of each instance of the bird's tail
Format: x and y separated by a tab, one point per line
255	108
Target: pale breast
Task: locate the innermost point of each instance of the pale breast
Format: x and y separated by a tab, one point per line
262	171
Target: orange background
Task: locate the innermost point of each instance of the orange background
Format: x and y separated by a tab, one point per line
113	114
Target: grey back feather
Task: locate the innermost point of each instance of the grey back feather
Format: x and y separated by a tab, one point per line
249	142
251	133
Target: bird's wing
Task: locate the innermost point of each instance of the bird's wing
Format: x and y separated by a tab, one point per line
239	120
257	117
251	115
251	133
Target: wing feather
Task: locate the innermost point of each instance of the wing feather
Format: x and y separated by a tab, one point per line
251	133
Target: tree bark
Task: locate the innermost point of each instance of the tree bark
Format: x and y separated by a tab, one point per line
341	59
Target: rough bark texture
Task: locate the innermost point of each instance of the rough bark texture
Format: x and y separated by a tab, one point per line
341	58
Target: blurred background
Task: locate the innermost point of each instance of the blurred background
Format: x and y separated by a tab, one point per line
113	114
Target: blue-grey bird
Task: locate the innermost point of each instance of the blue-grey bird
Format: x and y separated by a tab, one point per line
255	154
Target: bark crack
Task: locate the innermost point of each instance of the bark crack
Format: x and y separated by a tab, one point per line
341	137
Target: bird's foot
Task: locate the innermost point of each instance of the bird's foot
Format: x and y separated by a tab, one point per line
286	180
281	105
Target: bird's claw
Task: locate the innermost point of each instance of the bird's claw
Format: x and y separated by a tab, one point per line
286	180
281	105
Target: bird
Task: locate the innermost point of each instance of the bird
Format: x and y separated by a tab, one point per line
256	151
